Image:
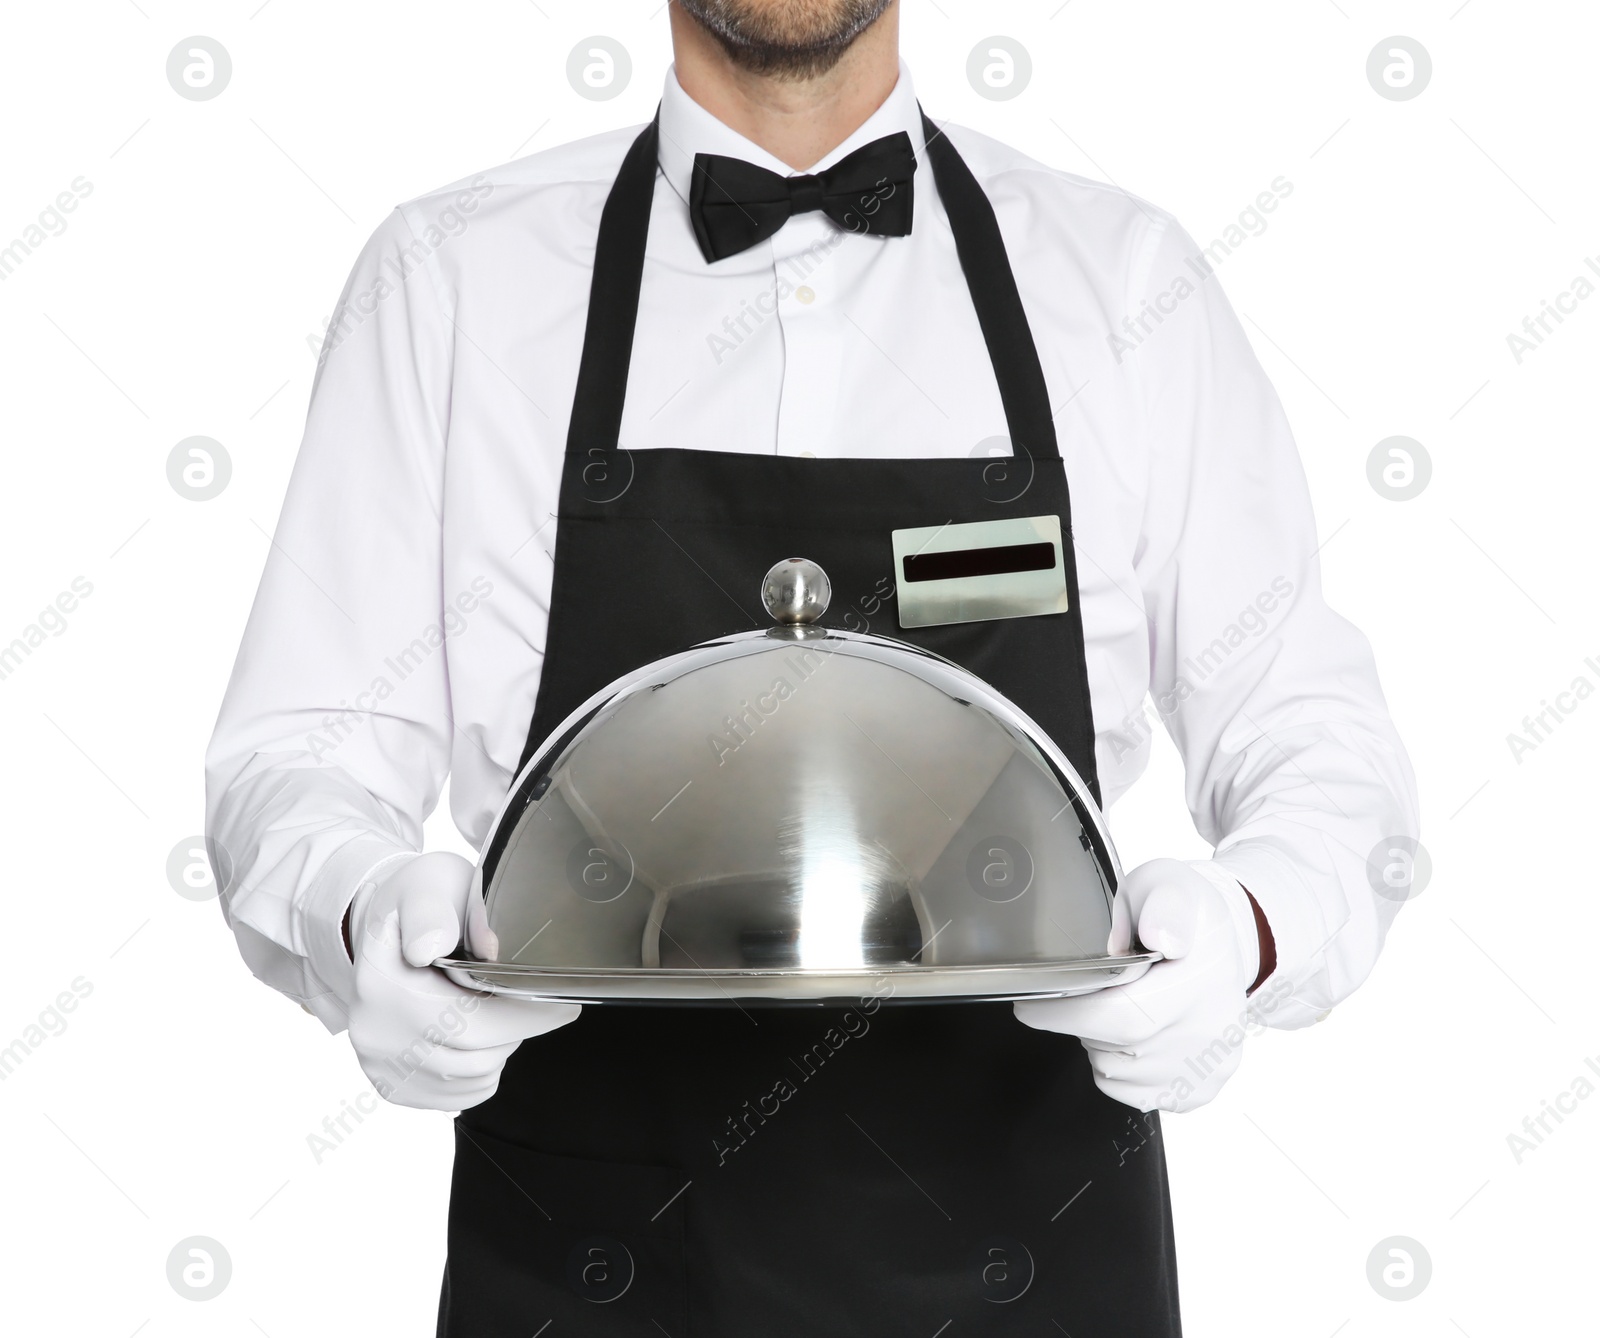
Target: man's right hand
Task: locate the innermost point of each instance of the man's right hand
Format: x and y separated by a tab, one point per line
422	1040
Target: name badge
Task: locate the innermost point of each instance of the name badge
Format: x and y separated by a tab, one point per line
979	572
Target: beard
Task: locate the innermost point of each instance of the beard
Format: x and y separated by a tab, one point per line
794	39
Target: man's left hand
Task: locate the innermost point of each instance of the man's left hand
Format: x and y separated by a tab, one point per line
1169	1040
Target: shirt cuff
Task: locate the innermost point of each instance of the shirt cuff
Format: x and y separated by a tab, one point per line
1291	911
322	919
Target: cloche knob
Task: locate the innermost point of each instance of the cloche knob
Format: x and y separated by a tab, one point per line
796	591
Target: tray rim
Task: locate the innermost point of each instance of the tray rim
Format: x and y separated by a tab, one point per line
799	974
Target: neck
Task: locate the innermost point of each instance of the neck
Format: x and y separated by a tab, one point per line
795	120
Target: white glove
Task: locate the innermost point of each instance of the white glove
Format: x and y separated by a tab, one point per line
422	1040
1170	1039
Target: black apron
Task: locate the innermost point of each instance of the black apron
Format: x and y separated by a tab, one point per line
758	1172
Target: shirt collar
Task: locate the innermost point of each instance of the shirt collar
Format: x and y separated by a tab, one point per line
687	128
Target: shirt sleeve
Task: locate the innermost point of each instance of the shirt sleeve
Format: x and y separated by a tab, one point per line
333	740
1293	768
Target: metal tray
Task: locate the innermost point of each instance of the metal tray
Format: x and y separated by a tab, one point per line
953	984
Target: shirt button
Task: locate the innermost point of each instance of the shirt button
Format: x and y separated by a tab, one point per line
808	455
806	294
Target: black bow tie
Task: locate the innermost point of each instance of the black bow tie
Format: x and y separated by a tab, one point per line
734	204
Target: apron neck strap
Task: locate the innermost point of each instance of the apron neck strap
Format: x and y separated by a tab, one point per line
614	298
619	271
993	288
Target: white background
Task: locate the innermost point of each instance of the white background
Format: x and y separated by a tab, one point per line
179	1098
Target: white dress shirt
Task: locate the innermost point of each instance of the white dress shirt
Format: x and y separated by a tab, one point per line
399	630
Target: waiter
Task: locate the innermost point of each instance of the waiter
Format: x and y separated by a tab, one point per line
569	413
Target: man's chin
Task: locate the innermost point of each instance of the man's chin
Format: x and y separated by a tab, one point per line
787	38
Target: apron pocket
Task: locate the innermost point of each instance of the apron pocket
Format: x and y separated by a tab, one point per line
583	1247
